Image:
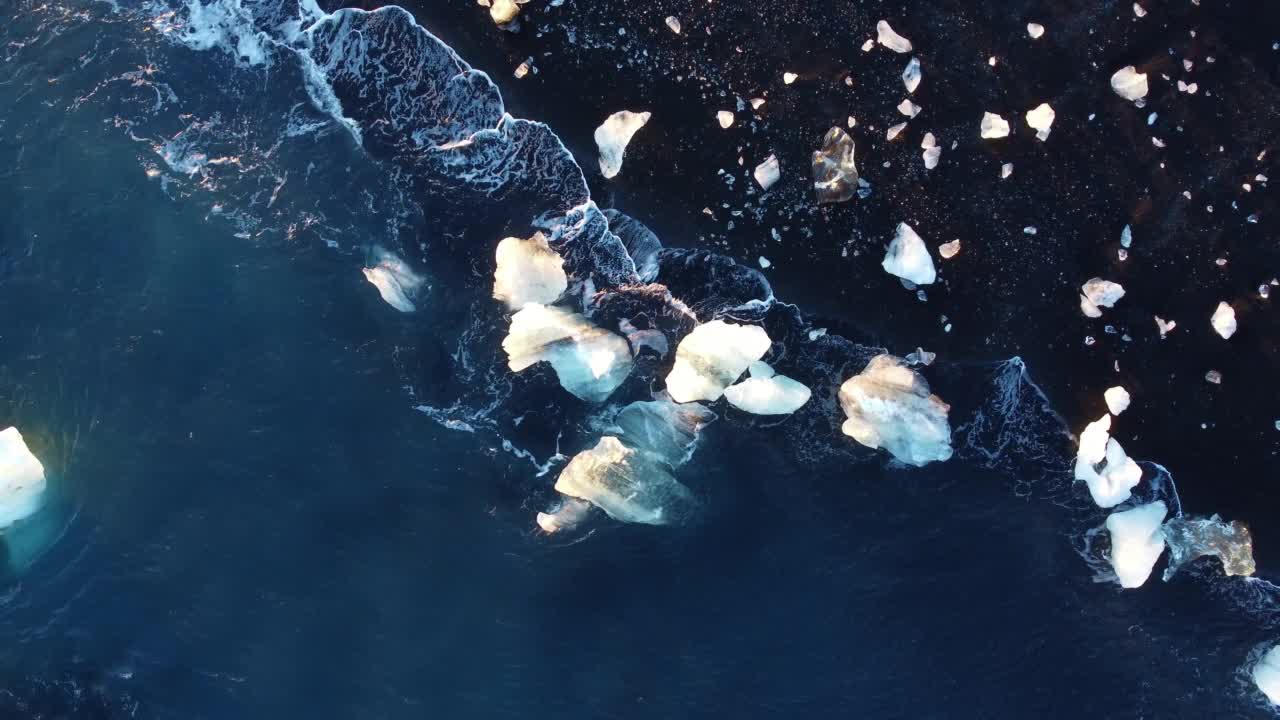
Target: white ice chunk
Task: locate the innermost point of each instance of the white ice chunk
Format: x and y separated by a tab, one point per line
1129	83
1139	11
725	118
888	405
613	136
1117	399
890	39
993	126
1136	542
1224	321
908	108
1006	170
1041	120
528	271
768	172
1035	30
566	516
911	76
1165	326
504	12
1126	237
589	361
629	485
396	282
932	152
1266	675
772	395
1102	464
789	77
908	257
22	481
712	357
949	250
895	130
673	22
1097	293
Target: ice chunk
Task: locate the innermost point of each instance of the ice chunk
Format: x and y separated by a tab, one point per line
1117	399
1006	170
1136	542
908	108
908	258
756	103
613	136
725	118
894	131
22	481
768	395
673	22
1266	674
666	429
760	369
767	173
1041	120
1129	83
1097	293
1126	237
921	357
1035	30
712	357
528	271
1139	11
789	77
629	485
1224	321
888	405
1165	326
911	76
589	361
568	514
835	174
396	282
1191	538
890	39
640	339
504	12
993	126
1102	464
932	153
950	249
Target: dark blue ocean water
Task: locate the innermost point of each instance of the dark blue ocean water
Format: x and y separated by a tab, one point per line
255	518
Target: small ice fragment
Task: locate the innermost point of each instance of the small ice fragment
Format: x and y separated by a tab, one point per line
1117	399
567	515
911	76
395	280
523	69
908	108
767	173
764	262
1029	230
1214	377
613	136
866	46
921	357
950	249
673	22
1139	10
1224	320
888	405
712	357
835	174
908	257
993	126
1136	542
756	103
1098	293
1266	674
1129	83
991	61
890	39
852	121
895	131
771	395
789	77
504	12
1006	170
1126	237
1035	30
22	480
760	369
725	118
1041	120
931	152
815	334
1165	327
528	271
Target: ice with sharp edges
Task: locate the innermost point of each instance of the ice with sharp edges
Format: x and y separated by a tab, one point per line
396	282
835	174
1096	294
1041	120
1191	538
908	108
1129	83
1224	321
528	271
1102	464
627	484
589	361
888	405
767	393
712	357
666	429
932	151
911	75
993	126
1117	399
22	480
613	136
767	173
886	36
1136	542
1266	674
908	257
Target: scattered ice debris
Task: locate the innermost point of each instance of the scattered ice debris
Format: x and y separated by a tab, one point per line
613	136
921	357
1035	30
835	174
1165	326
627	484
1126	237
908	108
673	22
712	357
888	405
1041	120
1224	321
993	126
911	76
504	12
1117	399
1102	464
949	250
1191	538
789	77
890	39
932	153
1006	170
1139	11
22	480
767	393
767	173
908	257
894	131
1266	674
1129	83
1097	294
528	271
756	103
1136	542
396	281
725	118
1214	377
590	362
568	514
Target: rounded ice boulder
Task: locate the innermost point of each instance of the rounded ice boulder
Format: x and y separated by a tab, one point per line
767	393
889	406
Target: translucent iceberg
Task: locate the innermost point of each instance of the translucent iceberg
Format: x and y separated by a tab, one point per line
712	357
528	271
589	361
1191	538
1102	464
628	485
911	76
614	135
908	257
835	174
1136	542
1266	674
396	282
22	481
767	393
666	429
889	406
